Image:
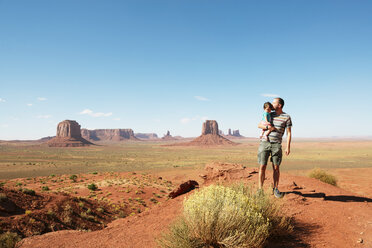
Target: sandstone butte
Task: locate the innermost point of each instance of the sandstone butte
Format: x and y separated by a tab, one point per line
68	135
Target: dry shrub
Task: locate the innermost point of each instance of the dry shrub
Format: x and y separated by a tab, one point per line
9	239
220	216
323	176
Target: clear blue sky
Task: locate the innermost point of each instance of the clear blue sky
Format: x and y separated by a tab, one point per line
155	66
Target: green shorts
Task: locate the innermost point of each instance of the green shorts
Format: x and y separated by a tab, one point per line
266	149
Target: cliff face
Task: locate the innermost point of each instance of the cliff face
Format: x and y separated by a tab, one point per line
108	134
210	127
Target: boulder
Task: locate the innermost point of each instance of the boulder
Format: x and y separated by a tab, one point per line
184	188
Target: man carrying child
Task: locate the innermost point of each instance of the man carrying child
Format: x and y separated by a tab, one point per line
271	144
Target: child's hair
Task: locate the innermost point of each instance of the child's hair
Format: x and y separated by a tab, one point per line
268	104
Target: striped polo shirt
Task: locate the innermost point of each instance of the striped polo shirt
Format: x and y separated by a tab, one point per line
281	123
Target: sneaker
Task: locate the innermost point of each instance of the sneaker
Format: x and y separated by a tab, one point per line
278	194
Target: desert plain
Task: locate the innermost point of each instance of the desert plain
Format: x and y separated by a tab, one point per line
130	207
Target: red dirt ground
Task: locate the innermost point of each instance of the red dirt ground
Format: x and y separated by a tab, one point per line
324	216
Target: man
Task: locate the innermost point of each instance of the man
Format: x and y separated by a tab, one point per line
273	146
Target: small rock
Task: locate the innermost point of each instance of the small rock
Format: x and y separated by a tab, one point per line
184	188
360	241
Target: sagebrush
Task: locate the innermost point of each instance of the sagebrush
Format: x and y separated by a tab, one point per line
323	176
226	216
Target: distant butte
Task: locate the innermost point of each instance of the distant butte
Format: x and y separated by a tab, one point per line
210	136
108	134
68	135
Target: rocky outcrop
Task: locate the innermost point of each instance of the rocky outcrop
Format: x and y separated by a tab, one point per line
210	127
68	135
146	136
218	172
168	136
233	134
184	188
236	133
108	134
210	136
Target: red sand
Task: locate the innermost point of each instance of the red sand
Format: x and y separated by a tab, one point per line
324	216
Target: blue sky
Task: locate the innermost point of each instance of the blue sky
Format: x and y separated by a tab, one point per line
155	66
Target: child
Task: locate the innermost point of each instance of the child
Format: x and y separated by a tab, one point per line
266	119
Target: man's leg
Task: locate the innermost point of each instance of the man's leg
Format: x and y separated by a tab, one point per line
263	154
261	176
276	158
276	175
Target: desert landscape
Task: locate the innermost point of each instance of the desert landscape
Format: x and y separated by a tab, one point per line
125	192
185	124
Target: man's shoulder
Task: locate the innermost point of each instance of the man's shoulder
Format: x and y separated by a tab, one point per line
284	114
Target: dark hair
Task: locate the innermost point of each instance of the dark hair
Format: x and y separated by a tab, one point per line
268	104
281	101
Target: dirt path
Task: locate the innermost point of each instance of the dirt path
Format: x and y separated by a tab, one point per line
324	216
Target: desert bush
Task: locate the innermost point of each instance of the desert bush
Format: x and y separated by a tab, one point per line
28	191
220	216
73	178
9	239
323	176
92	187
45	188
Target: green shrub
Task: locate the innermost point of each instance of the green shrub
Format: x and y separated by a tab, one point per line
28	191
45	188
73	178
92	187
220	216
323	176
9	239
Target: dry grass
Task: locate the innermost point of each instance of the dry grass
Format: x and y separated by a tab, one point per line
220	216
323	176
9	239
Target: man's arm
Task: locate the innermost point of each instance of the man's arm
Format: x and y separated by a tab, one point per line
289	138
263	127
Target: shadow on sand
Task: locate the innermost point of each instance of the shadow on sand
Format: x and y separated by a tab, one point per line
295	240
339	198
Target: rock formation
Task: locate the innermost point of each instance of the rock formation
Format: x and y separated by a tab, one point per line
210	136
210	127
68	135
168	136
108	134
234	134
146	136
183	188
